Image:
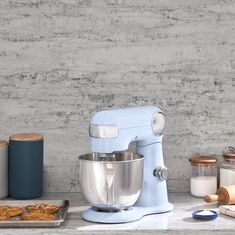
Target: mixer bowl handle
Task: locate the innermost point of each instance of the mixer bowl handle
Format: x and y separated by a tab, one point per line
109	174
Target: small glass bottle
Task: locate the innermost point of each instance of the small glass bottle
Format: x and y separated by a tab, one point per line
203	179
227	169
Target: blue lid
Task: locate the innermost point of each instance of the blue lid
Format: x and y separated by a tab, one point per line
205	214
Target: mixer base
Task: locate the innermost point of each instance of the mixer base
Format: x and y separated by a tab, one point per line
124	216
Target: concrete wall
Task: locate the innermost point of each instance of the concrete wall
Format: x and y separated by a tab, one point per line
62	60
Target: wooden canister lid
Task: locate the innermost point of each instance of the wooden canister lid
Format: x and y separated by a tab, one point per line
26	137
3	143
229	155
203	160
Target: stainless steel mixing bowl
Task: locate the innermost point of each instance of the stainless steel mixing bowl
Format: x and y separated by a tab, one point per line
111	181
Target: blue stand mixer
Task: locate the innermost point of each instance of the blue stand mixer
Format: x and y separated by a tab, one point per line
123	186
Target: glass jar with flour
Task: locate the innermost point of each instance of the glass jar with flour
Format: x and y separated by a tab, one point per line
227	169
203	179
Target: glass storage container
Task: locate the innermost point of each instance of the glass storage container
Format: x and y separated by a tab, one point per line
203	179
227	169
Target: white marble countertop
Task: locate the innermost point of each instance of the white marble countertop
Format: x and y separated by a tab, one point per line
178	221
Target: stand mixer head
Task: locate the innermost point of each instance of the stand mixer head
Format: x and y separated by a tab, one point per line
112	131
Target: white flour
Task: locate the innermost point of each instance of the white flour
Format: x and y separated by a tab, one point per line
227	177
205	212
203	185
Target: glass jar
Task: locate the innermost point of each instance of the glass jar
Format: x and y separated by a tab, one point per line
227	169
203	179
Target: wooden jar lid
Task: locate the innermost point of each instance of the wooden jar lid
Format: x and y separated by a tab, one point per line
3	143
26	137
203	160
229	155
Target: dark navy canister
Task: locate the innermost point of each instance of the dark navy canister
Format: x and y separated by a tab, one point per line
25	166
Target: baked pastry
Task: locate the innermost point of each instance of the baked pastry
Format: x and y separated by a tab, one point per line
3	208
10	211
4	215
43	208
15	211
38	212
37	217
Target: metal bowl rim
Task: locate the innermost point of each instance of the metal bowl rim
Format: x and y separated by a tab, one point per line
140	158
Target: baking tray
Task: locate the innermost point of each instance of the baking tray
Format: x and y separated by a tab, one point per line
14	223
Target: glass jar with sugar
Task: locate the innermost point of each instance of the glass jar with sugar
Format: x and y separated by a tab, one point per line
203	179
227	169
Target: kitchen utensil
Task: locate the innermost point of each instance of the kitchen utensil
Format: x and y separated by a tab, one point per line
26	166
61	215
3	169
225	195
112	131
203	179
114	181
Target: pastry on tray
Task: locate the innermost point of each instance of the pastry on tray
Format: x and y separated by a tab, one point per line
43	208
5	216
34	216
15	211
37	212
6	212
4	207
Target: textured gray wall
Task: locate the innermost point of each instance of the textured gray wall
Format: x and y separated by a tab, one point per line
62	60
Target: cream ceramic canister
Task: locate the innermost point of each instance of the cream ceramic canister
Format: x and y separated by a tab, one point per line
3	169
